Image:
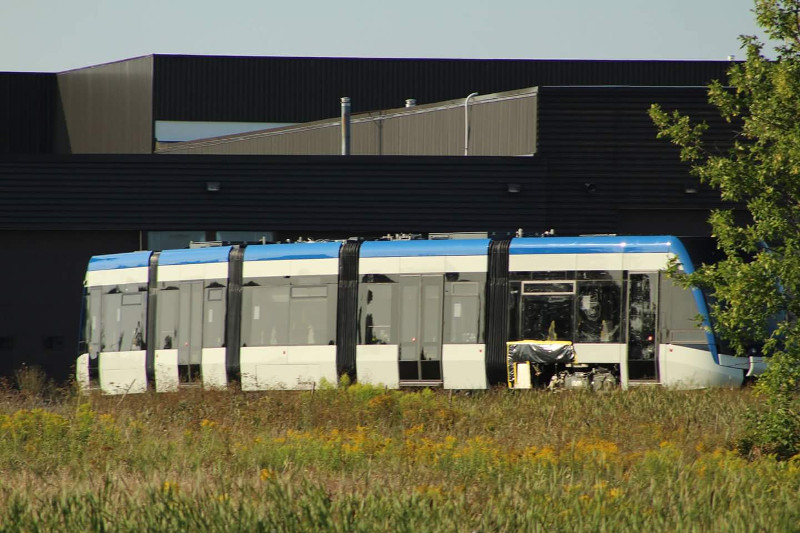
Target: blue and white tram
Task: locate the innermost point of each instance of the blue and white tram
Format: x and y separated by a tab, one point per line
396	313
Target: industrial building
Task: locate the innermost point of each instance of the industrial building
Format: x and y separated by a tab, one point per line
160	150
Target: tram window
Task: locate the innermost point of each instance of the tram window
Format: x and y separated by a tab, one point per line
432	302
289	311
265	316
547	317
409	316
167	317
545	275
92	318
642	316
309	292
548	288
123	318
376	312
678	320
214	316
598	311
462	317
131	299
309	316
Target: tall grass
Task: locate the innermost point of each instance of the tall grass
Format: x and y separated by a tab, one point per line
365	459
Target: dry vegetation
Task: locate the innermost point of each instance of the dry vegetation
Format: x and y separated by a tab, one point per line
361	458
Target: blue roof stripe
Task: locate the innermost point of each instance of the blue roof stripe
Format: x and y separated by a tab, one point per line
115	261
432	248
296	250
194	256
593	245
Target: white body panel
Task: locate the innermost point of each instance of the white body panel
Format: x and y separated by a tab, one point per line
123	372
464	366
742	363
377	364
600	261
190	272
82	371
291	267
286	367
523	376
605	353
758	365
646	262
535	262
690	368
117	276
215	375
166	370
422	265
556	262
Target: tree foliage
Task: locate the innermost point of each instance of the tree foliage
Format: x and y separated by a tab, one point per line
756	287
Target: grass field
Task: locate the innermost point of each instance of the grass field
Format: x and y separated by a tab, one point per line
364	459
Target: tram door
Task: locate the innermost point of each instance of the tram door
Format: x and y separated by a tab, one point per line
421	299
642	326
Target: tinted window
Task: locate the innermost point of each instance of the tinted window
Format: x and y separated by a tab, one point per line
547	317
463	312
376	313
214	316
297	311
123	318
598	309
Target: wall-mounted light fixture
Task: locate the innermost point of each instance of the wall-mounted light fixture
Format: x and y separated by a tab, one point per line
590	187
690	189
514	188
213	186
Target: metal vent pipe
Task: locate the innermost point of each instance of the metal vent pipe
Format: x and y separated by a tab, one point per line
466	123
345	125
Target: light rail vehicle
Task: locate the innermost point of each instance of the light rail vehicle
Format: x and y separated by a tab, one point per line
569	312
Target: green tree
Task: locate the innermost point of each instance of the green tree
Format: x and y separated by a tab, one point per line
756	287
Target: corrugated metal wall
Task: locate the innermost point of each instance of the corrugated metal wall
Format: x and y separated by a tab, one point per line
357	194
27	113
297	89
500	124
111	108
600	149
107	108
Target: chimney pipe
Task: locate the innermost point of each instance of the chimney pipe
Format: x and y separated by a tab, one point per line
345	125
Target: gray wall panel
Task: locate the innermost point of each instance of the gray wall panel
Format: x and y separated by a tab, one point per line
500	124
107	108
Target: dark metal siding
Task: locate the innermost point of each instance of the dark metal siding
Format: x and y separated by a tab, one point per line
588	121
41	302
301	89
27	113
606	166
107	108
283	193
357	194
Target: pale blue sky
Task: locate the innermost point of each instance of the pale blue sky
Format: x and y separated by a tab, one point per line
57	35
